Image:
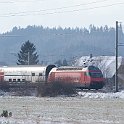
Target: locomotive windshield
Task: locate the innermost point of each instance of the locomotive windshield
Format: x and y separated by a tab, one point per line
95	72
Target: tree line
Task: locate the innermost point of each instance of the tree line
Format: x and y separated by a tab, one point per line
62	43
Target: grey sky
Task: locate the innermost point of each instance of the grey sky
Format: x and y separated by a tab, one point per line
64	13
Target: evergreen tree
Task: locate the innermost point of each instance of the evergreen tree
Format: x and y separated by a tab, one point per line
27	54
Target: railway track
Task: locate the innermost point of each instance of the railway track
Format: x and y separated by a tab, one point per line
91	90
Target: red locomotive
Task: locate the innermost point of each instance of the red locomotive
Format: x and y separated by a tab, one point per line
80	77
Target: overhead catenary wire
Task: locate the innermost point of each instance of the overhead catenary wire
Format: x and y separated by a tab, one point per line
10	36
57	12
15	1
12	1
59	8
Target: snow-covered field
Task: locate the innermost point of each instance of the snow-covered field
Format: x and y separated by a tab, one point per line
102	95
85	108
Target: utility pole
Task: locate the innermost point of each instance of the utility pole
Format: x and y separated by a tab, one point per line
116	58
28	58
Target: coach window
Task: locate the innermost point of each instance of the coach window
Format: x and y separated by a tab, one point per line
33	74
18	80
40	74
10	80
23	79
14	80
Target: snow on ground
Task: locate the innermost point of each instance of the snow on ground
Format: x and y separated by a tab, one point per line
102	95
84	108
83	94
27	121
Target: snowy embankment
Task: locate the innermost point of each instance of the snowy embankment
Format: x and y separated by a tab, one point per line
83	94
102	95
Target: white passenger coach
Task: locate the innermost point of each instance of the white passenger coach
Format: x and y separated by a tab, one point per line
23	73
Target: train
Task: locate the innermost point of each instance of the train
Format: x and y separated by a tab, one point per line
89	77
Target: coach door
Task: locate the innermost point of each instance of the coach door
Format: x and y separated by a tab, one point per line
33	77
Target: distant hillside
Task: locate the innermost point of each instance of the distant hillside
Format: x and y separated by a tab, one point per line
57	43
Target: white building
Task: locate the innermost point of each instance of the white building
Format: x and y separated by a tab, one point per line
106	64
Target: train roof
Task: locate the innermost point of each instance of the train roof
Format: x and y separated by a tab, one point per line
16	66
25	67
77	68
69	68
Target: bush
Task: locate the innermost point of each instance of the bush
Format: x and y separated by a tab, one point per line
55	89
6	114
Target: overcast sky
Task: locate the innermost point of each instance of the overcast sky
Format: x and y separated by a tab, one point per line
64	13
